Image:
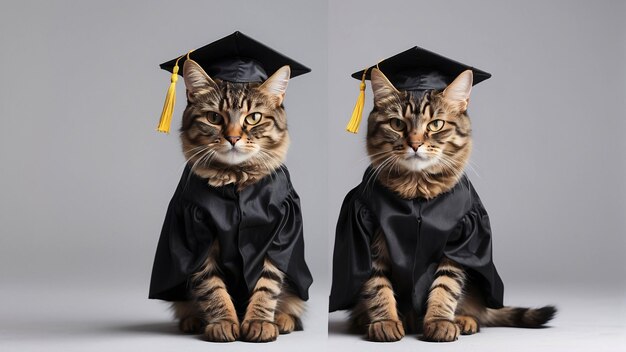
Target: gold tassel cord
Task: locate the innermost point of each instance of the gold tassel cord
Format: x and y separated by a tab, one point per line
357	113
170	100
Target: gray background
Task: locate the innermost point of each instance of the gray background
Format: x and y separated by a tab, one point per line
85	178
549	158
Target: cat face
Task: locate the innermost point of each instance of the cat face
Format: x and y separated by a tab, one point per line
428	134
234	125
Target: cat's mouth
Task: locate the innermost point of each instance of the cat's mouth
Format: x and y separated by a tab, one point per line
416	156
234	155
415	161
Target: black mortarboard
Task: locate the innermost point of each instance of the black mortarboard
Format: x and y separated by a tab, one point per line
415	70
235	58
418	69
240	59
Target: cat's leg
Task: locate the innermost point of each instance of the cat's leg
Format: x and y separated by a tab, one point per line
378	299
214	302
258	323
289	311
471	306
188	316
445	292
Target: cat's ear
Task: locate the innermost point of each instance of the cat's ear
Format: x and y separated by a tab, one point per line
276	85
196	79
381	86
458	92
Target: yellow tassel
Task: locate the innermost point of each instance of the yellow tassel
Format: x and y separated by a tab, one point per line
170	100
357	113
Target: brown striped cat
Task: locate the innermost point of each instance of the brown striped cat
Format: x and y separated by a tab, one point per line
236	134
419	147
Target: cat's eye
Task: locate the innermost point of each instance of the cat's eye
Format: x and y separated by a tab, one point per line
397	124
214	118
253	118
435	125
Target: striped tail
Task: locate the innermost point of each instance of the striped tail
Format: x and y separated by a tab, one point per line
518	317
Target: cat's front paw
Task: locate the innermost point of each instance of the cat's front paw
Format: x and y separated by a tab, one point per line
259	331
286	323
385	331
222	331
441	331
190	325
469	325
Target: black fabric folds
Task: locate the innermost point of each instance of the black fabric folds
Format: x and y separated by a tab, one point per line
419	233
263	219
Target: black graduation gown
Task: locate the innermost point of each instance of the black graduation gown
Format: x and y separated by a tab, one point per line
419	233
261	220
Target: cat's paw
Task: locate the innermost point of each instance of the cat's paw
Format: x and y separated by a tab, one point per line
468	325
385	331
286	323
222	331
190	325
441	331
259	331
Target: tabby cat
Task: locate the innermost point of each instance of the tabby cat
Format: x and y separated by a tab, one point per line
419	146
236	133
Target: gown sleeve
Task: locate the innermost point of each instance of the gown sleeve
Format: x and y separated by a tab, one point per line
182	247
472	248
173	255
352	262
286	250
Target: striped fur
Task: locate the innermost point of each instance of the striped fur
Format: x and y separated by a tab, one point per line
273	307
260	148
454	307
376	310
213	301
232	150
441	156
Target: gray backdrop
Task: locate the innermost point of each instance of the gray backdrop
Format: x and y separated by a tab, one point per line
86	179
549	157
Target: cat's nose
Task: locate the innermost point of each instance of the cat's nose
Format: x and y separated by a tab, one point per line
415	146
233	139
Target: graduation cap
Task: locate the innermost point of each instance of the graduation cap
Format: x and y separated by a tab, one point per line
415	70
235	58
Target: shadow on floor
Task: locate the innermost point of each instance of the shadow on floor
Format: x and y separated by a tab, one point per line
340	327
161	328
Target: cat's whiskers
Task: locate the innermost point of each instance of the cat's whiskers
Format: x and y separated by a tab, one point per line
470	164
394	163
202	148
208	157
197	147
374	175
372	156
199	160
449	164
388	162
372	172
267	160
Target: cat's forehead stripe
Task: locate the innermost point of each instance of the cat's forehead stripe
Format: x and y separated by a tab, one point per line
425	105
409	109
